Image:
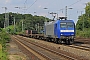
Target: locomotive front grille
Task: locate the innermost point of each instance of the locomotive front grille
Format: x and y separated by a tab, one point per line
67	37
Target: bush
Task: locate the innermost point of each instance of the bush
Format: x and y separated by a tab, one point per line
85	33
4	37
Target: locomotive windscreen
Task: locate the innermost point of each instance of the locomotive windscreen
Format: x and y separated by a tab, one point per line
67	25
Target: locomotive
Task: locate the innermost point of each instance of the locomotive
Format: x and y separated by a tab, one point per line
60	31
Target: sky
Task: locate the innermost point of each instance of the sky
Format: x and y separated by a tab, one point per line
36	7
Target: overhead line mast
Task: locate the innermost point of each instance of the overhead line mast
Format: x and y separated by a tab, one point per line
5	23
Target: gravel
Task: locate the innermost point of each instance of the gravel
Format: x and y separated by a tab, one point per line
75	51
14	53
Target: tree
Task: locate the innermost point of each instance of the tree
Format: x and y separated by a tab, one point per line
29	21
84	19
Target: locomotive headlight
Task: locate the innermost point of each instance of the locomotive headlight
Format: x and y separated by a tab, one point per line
72	34
61	34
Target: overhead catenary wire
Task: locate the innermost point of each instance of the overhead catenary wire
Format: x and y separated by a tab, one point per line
72	4
75	2
31	5
66	7
25	4
25	1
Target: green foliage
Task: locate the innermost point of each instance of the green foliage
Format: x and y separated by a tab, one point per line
10	29
2	20
3	55
83	23
85	33
0	29
79	25
4	37
32	22
29	21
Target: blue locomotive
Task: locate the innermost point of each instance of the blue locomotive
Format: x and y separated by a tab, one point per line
60	31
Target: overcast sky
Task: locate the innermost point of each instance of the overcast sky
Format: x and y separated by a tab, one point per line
57	6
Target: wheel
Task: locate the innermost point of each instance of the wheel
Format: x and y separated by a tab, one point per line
68	42
56	41
71	41
59	41
46	39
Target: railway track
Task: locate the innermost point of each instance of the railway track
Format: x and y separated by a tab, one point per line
86	48
24	49
55	52
83	40
45	52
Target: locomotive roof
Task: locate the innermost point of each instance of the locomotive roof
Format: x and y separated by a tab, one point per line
55	21
66	20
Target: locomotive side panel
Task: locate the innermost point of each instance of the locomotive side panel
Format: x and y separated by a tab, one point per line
49	29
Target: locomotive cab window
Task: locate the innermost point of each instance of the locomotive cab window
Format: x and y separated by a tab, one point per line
63	25
66	25
70	25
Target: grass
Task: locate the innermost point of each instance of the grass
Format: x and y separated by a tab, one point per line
0	51
3	55
0	47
